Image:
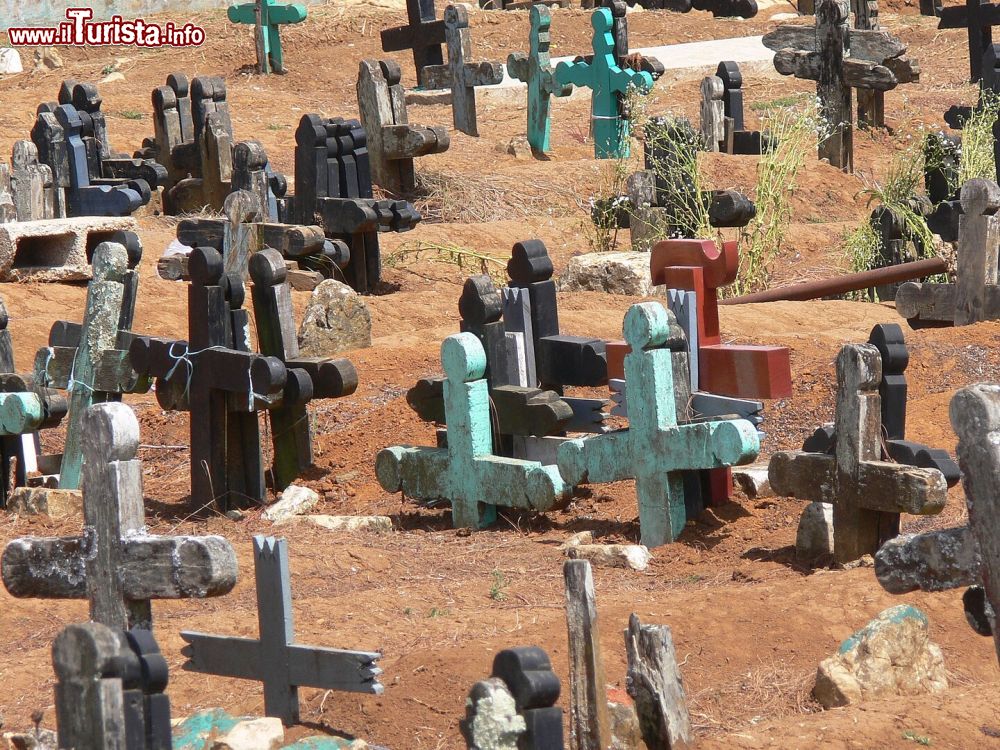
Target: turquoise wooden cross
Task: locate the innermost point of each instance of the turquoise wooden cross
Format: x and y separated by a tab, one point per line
534	69
655	450
467	472
272	16
608	82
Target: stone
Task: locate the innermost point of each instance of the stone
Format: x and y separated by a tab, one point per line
492	721
753	481
113	77
625	731
580	537
815	535
634	556
32	501
10	61
39	739
50	58
252	734
518	147
336	319
615	273
891	656
54	249
379	524
295	501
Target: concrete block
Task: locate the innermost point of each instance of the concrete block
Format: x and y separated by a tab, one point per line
54	249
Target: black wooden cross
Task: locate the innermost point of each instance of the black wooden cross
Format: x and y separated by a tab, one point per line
308	377
423	34
220	381
979	18
276	659
116	564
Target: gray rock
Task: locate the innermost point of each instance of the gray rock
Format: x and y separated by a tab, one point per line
377	524
891	656
634	556
295	501
336	319
616	273
625	731
518	147
49	58
815	535
753	481
491	719
41	739
113	77
33	501
253	734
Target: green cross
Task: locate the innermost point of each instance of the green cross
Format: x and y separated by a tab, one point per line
655	450
467	472
534	69
272	16
608	82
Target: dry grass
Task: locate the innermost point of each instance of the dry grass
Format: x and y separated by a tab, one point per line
465	259
479	199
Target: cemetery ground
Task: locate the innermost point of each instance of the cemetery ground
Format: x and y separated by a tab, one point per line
750	623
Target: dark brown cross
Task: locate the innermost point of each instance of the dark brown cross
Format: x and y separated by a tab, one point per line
867	494
423	34
116	564
979	18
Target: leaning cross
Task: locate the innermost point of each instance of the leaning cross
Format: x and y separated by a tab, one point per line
839	59
460	76
267	16
221	382
608	83
392	141
275	659
534	69
116	564
867	494
423	35
968	555
308	377
979	18
93	366
976	295
655	450
467	472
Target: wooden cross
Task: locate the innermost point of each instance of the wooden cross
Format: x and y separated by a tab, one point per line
535	70
116	564
608	83
871	103
91	363
275	659
979	18
220	381
840	59
467	472
308	377
392	141
976	295
267	16
423	35
969	555
867	494
656	448
459	75
31	184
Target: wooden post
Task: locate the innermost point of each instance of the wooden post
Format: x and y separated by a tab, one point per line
871	103
590	723
712	112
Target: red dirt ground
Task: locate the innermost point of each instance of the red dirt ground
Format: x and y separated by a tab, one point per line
750	623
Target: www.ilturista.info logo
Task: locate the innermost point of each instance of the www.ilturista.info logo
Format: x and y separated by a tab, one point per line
80	31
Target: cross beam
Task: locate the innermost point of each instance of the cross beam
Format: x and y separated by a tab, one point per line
423	35
116	564
275	659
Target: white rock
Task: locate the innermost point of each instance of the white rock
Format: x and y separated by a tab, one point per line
295	501
491	718
815	535
253	734
634	556
580	537
336	319
616	273
753	480
10	61
784	17
113	77
379	524
50	58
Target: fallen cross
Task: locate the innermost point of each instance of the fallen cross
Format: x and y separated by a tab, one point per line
867	494
267	16
116	564
275	659
968	555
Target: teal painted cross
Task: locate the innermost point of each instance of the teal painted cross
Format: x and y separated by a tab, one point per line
466	472
655	450
272	16
608	82
534	69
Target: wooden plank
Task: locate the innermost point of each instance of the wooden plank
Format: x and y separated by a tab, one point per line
590	722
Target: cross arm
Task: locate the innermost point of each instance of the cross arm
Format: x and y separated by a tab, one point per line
529	411
708	445
437	77
957	17
20	413
245	13
870	46
930	302
577	73
348	215
524	484
602	458
572	360
421	473
237	372
225	656
177	567
483	73
407	141
856	73
807	476
518	66
622	78
936	561
406	37
334	669
50	568
331	378
291	13
894	488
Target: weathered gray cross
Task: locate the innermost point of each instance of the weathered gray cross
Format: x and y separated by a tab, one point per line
115	563
275	659
460	76
976	296
969	555
839	59
867	494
